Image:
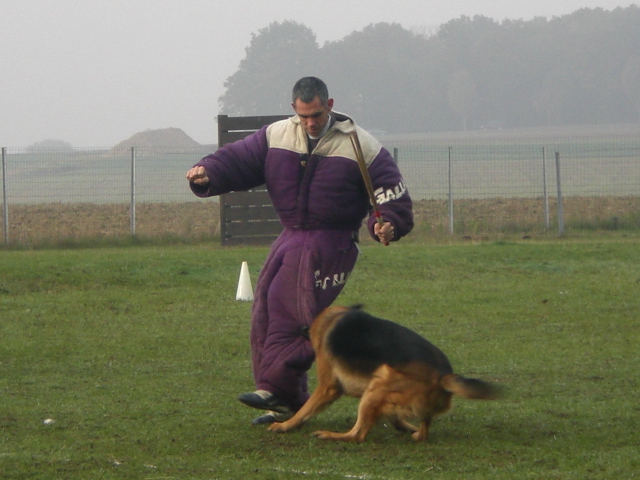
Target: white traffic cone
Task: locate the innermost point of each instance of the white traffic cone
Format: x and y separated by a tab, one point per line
245	290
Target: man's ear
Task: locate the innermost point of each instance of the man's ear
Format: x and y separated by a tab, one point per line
330	104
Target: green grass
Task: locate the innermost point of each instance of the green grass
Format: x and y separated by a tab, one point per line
138	353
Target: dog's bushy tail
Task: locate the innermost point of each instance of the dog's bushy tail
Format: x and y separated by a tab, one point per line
471	388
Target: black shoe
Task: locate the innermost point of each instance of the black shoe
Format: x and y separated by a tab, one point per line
271	417
264	400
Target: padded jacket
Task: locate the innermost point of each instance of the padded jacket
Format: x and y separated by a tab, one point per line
322	189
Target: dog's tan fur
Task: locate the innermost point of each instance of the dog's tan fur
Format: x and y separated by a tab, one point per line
411	390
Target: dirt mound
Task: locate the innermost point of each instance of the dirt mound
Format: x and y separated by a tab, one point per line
163	137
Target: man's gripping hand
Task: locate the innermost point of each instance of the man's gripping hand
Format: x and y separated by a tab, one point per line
198	175
385	232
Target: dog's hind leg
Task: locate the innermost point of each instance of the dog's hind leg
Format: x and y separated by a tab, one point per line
422	433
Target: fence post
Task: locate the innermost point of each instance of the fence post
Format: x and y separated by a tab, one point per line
544	189
560	207
133	191
450	195
395	155
5	214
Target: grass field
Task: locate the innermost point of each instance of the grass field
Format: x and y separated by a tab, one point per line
138	353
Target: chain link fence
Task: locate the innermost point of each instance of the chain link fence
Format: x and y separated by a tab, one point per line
497	184
468	187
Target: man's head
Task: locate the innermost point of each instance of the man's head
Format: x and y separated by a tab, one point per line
310	100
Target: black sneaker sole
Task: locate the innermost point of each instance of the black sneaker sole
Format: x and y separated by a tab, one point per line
264	419
271	417
255	401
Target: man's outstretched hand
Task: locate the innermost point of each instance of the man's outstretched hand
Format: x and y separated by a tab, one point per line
198	175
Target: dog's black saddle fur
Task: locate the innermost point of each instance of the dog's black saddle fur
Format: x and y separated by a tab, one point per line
366	342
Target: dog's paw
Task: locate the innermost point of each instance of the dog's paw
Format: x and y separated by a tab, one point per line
344	437
278	428
325	435
420	436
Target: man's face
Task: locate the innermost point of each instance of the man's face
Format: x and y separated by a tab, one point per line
313	115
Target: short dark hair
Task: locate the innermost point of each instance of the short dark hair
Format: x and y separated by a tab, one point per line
308	88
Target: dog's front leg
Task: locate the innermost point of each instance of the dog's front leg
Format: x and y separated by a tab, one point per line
371	407
402	425
321	398
368	414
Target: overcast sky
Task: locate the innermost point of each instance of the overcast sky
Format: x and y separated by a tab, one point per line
95	72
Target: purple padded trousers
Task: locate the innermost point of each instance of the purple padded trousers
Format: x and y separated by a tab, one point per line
303	274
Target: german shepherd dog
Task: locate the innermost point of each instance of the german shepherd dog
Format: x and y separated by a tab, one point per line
395	372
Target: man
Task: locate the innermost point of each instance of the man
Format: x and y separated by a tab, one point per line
312	176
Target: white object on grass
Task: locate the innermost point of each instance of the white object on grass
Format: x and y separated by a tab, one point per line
245	290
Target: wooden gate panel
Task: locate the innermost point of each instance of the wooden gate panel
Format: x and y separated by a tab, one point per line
246	217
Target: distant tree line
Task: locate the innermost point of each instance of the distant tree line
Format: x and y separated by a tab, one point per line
581	68
49	144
